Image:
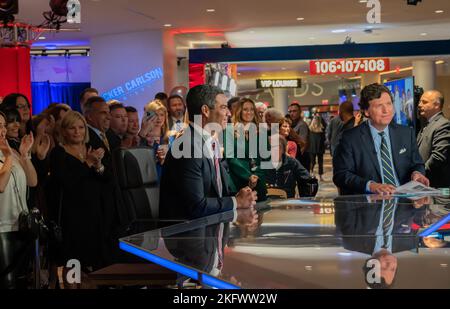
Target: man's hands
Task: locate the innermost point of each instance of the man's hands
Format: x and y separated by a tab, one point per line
380	188
417	176
246	198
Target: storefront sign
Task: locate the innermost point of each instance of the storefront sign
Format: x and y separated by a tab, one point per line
278	83
343	66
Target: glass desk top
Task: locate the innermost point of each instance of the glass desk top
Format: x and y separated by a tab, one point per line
345	242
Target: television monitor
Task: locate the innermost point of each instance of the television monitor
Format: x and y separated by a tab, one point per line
403	95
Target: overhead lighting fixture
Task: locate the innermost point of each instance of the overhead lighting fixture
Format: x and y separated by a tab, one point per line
362	1
210	10
300	18
339	30
167	25
439	11
42	38
423	34
439	61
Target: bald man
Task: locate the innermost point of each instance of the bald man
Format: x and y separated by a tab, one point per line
434	139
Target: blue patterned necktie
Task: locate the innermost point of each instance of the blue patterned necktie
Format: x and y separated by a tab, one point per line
386	162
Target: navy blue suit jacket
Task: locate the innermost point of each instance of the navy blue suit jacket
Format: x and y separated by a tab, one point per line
355	161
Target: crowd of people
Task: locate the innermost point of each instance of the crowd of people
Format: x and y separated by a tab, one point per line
60	162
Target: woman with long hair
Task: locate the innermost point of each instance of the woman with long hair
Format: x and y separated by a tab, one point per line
21	103
16	173
286	132
245	163
317	143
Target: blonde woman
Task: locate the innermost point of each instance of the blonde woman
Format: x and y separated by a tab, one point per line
155	129
317	143
76	202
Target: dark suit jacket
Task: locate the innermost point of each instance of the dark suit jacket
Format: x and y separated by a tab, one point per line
355	161
188	185
358	224
434	147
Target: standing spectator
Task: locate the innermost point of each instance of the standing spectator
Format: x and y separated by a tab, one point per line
246	170
85	95
22	104
286	131
162	97
177	109
261	109
333	132
118	126
12	118
317	143
272	115
16	173
232	105
434	139
77	185
131	138
300	127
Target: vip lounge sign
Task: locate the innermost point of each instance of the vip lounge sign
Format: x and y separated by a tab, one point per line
278	83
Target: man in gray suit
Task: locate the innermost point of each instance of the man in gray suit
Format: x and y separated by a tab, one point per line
434	139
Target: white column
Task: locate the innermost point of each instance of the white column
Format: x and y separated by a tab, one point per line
281	99
424	72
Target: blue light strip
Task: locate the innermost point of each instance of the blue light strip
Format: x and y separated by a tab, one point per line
206	279
433	228
160	261
214	282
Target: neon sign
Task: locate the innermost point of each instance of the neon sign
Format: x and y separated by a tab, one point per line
133	86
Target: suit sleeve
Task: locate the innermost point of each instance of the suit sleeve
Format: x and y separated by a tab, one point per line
440	149
345	169
192	190
416	159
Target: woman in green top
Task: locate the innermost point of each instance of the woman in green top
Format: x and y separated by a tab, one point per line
243	156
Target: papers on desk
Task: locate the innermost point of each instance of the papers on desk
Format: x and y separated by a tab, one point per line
415	190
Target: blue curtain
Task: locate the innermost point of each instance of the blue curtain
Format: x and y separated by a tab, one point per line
44	93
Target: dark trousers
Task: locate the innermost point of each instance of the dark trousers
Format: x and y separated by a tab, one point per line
304	159
17	252
320	161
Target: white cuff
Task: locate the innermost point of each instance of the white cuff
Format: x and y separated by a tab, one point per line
234	208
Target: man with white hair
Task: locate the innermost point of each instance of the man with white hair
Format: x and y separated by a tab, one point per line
261	109
272	115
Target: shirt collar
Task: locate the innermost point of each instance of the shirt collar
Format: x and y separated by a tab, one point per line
375	131
97	131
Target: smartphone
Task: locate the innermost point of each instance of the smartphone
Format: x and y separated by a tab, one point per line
150	114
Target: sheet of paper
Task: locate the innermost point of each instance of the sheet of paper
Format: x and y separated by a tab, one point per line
414	188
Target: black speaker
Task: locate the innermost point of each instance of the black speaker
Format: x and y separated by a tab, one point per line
9	7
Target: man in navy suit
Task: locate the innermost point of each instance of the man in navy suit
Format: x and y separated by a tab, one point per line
378	155
193	182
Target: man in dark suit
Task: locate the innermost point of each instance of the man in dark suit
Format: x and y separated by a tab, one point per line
193	182
434	139
378	155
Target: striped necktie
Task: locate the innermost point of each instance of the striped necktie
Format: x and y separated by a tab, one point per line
388	216
386	162
105	140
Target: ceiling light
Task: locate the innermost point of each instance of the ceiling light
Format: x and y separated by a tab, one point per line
42	38
167	25
439	61
300	18
362	1
423	34
339	31
210	10
439	11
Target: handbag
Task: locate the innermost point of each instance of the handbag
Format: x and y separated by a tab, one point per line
29	221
